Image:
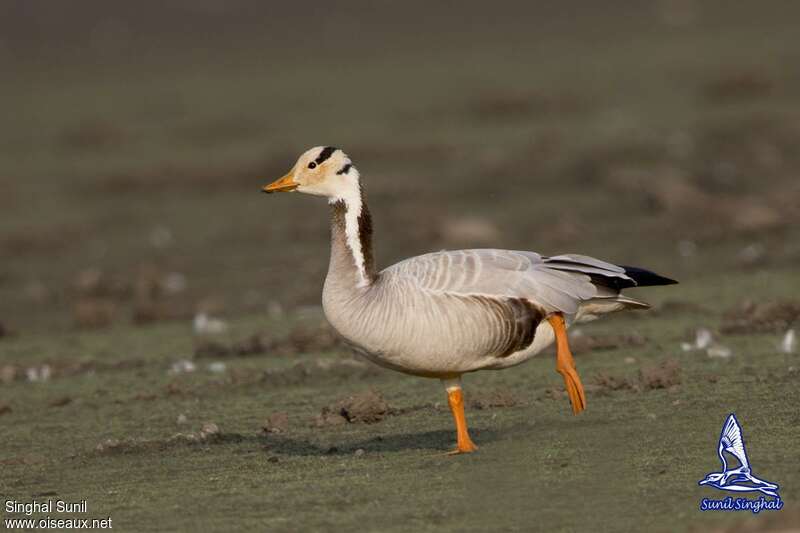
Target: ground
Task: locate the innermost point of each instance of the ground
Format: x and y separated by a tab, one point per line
658	134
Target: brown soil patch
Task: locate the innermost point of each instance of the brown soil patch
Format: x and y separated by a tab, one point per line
664	375
766	317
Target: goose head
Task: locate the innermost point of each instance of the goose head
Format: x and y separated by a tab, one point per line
321	171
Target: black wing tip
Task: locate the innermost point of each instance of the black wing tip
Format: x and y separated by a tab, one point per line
646	278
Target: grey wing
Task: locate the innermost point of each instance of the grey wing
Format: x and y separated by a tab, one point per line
557	284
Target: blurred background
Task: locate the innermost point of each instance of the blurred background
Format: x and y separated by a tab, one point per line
136	136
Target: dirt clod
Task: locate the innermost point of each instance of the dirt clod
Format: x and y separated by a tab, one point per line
61	402
607	382
662	376
276	423
4	409
368	408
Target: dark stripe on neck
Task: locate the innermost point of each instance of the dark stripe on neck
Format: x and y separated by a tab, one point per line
325	154
345	169
364	233
365	236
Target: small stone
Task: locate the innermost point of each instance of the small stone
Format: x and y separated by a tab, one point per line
209	429
182	419
217	367
205	325
703	339
789	342
182	366
630	360
359	452
36	374
108	444
718	351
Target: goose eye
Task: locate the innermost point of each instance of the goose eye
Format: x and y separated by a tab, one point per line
312	165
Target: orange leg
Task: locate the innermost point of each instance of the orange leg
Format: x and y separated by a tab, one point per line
456	400
565	364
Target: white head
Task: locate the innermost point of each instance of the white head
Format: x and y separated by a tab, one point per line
327	171
321	171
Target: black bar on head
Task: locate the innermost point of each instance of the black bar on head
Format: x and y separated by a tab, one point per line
325	154
345	169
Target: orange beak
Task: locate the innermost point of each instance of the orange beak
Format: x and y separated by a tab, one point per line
285	184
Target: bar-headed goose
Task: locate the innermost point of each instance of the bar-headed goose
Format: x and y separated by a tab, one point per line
443	314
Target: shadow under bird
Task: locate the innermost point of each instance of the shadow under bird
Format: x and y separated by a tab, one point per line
443	314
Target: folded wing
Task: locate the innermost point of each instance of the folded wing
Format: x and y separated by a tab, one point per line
560	283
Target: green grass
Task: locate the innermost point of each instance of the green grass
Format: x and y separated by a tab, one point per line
630	462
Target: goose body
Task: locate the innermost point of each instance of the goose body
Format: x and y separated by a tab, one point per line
447	313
